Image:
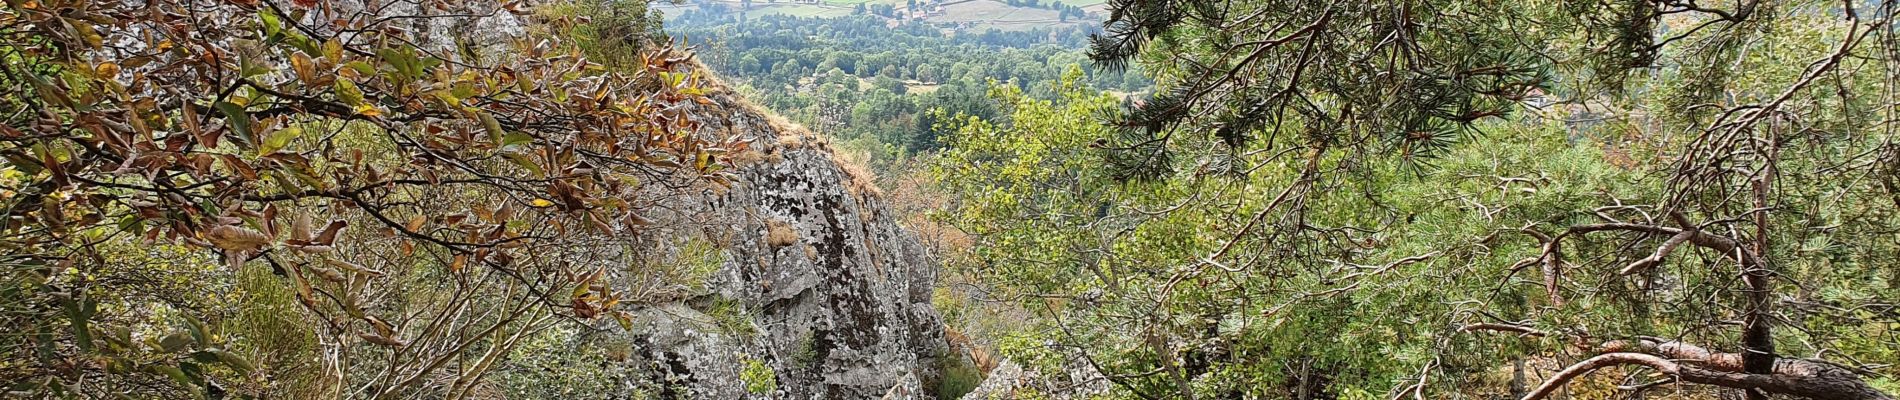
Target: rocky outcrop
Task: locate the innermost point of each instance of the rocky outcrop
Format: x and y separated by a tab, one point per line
816	286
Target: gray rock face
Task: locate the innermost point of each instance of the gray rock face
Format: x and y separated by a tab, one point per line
817	282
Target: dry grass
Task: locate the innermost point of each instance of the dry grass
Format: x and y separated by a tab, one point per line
859	178
789	136
779	233
963	346
912	197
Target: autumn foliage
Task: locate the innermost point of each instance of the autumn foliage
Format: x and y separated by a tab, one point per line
341	144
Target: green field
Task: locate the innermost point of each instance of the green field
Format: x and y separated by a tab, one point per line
766	8
1083	3
994	11
800	10
999	15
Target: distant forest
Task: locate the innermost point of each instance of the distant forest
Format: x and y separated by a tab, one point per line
883	86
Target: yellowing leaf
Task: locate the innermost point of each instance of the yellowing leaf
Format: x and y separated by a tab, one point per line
278	140
542	203
515	139
347	92
305	68
333	50
494	127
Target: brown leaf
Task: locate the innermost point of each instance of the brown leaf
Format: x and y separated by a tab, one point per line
239	167
300	227
634	219
483	212
507	212
269	219
208	139
382	328
328	237
328	274
599	223
415	223
313	249
304	292
353	267
232	237
584	310
54	168
379	339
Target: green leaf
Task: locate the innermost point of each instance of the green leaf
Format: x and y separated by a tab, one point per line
303	43
81	319
278	140
249	66
48	92
399	62
176	374
347	92
523	161
198	331
306	177
626	322
234	361
270	22
131	223
405	63
463	90
361	67
204	356
494	128
175	342
240	121
516	138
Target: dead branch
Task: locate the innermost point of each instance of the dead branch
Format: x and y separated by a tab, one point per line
1814	379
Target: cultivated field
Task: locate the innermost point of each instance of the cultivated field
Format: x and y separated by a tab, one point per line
996	14
974	15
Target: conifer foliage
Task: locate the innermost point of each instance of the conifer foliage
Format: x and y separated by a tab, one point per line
1411	199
